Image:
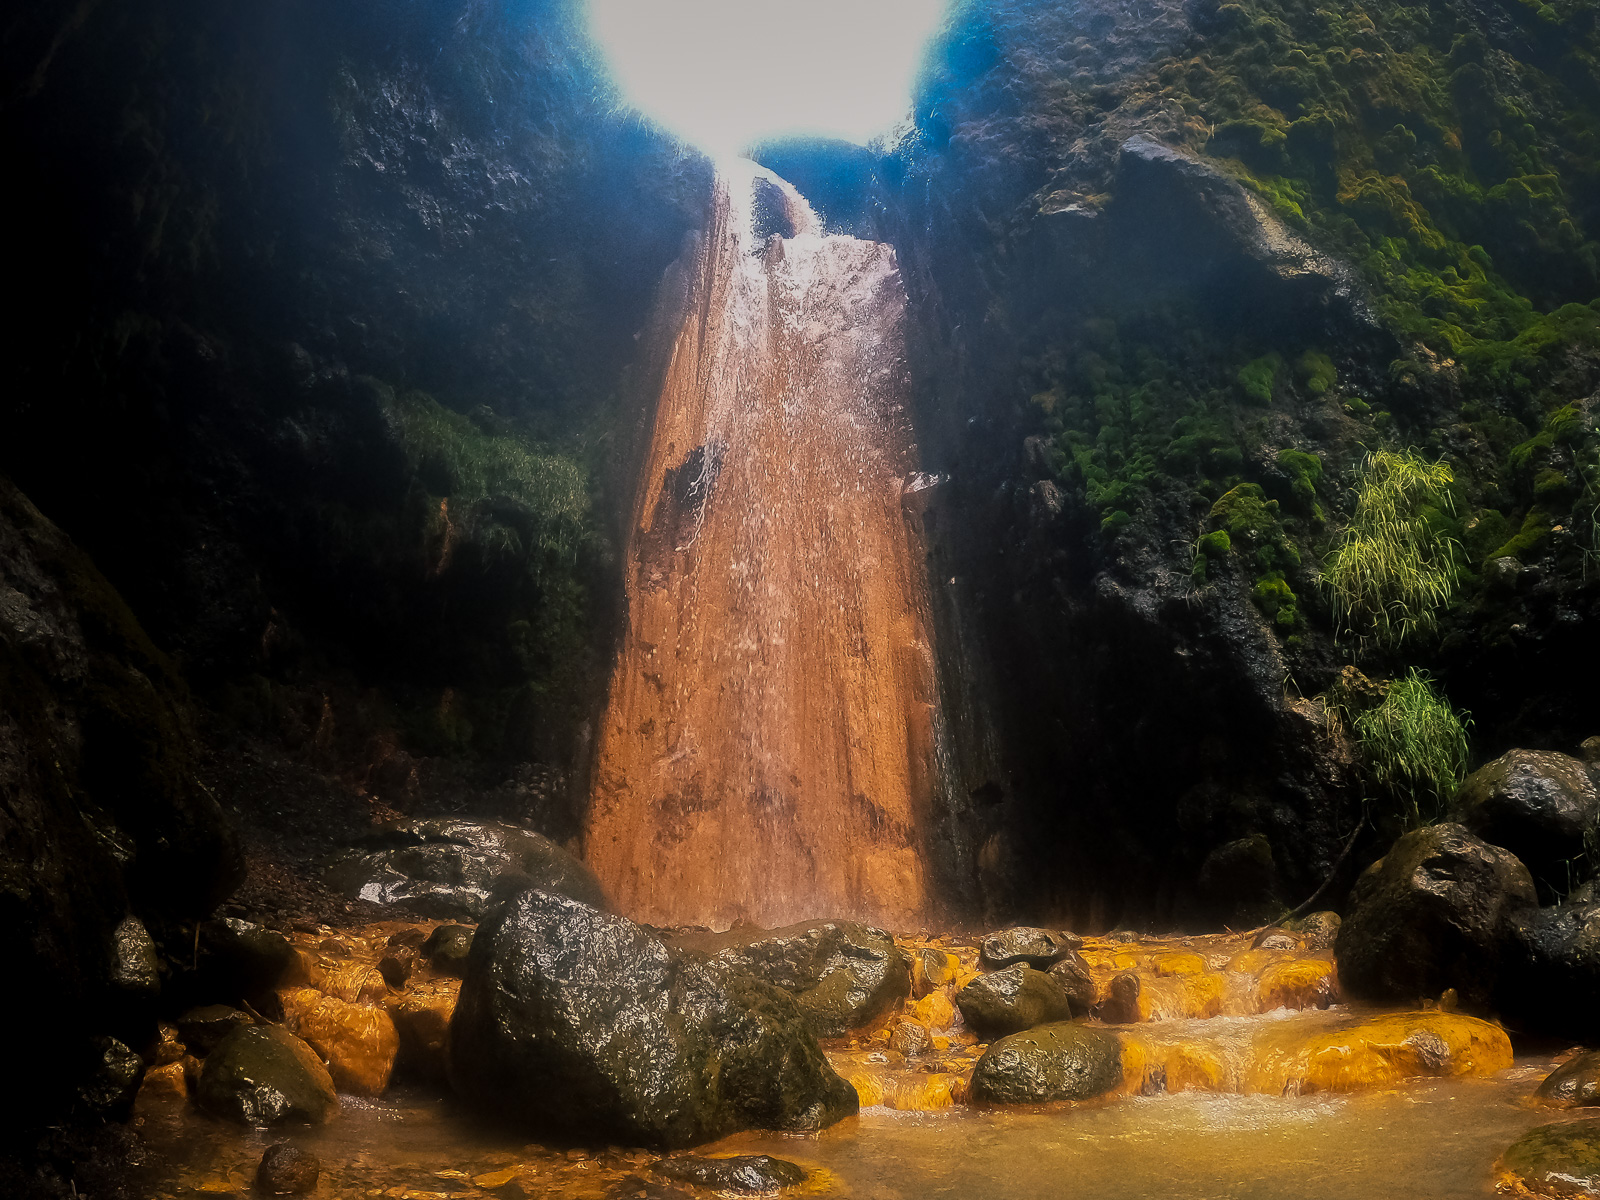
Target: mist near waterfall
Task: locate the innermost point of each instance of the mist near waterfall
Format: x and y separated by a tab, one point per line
723	73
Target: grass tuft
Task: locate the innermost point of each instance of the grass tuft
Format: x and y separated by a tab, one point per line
1415	746
1392	571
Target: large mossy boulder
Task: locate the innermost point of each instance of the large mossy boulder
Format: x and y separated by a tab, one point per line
455	869
1554	1160
111	843
1551	978
1012	1000
576	1023
1536	804
1061	1061
844	975
264	1075
1432	914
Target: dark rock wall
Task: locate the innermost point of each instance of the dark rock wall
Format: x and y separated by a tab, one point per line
103	817
1097	260
326	314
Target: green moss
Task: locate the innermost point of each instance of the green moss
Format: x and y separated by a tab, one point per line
1317	373
1304	472
1259	377
1536	527
1485	533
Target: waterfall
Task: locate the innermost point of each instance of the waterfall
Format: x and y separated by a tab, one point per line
768	753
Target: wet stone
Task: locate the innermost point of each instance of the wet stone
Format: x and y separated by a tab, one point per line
1012	1000
745	1173
1121	1005
396	966
910	1038
201	1029
114	1082
844	975
1061	1061
264	1075
1074	978
1038	948
1575	1082
287	1170
1555	1160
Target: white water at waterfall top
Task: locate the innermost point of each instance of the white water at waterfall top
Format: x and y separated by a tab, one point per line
722	74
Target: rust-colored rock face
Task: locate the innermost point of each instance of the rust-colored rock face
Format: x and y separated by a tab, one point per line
769	751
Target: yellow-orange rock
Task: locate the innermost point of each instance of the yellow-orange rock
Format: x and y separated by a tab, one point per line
422	1018
354	982
1375	1052
924	1093
358	1041
870	1088
167	1079
933	969
1195	1067
1299	983
935	1011
1178	962
169	1049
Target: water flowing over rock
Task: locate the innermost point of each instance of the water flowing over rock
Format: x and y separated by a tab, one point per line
770	749
576	1022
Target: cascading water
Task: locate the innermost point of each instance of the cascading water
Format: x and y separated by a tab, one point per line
769	750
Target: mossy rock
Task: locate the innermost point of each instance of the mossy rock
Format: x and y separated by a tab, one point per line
1556	1160
1062	1061
264	1075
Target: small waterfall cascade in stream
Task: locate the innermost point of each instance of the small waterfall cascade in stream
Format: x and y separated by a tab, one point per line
770	753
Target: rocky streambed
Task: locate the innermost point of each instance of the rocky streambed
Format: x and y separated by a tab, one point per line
1011	1064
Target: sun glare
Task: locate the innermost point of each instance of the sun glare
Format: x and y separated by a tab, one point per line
722	74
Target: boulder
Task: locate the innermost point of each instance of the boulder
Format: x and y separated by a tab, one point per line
738	1173
358	1041
1063	1061
233	961
1073	977
1553	1160
264	1075
1575	1082
109	835
1317	931
574	1022
1038	948
450	868
1551	980
1536	804
114	1082
287	1170
1430	915
845	975
1012	1000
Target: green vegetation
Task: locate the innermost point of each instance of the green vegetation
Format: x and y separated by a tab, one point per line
1415	746
454	459
1393	569
1258	378
1317	373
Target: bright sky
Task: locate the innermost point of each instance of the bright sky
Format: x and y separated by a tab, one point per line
724	73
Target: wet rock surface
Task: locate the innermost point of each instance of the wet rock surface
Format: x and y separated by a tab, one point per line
1552	972
1554	1161
203	1028
1038	948
1575	1082
1062	1061
264	1075
1074	978
286	1170
444	867
1432	914
577	1022
1011	1000
743	1173
844	975
1535	803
